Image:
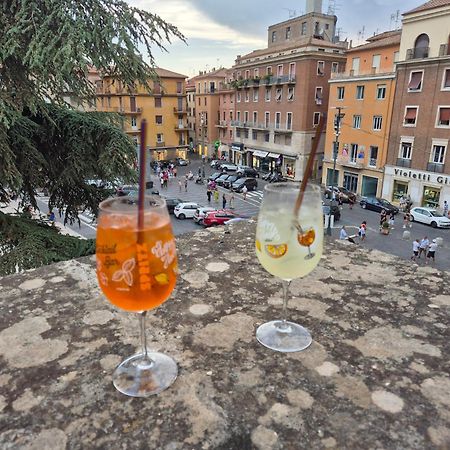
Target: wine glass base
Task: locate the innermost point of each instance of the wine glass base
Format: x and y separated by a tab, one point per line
284	337
141	377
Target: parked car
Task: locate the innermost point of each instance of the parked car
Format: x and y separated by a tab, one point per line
247	171
172	203
346	194
275	177
220	180
200	213
429	216
215	163
218	217
238	185
215	175
228	167
232	179
182	161
185	210
133	189
378	204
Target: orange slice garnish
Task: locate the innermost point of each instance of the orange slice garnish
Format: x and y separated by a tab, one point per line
276	251
258	245
306	239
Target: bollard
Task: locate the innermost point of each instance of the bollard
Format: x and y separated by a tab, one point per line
439	241
406	235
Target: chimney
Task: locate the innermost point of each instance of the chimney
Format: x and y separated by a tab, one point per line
313	6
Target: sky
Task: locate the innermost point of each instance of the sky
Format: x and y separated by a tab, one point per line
219	30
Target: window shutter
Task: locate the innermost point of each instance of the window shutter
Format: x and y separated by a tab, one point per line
444	115
416	80
411	113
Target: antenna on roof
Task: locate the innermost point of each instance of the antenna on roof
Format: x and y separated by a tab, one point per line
361	34
292	12
339	32
333	6
395	18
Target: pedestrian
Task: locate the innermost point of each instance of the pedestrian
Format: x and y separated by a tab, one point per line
343	235
161	180
232	200
416	248
351	202
224	201
391	220
199	171
432	251
175	172
185	183
382	218
340	199
423	247
216	195
209	194
244	191
407	219
51	217
180	184
445	208
362	230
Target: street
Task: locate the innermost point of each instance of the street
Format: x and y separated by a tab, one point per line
392	243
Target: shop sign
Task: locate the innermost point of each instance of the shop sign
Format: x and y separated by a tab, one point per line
237	147
273	155
259	153
418	175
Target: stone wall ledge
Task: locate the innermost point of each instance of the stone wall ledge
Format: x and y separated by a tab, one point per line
375	377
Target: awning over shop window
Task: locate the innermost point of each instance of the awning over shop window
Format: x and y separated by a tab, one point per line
273	155
259	153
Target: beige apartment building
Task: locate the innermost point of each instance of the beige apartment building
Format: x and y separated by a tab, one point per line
226	116
190	98
418	161
164	108
282	91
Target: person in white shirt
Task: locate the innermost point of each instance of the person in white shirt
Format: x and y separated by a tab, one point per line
416	246
424	243
343	234
432	251
244	192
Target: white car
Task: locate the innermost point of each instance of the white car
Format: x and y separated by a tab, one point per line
228	167
185	210
430	216
200	213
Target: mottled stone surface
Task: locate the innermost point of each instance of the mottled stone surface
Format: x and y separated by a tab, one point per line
375	377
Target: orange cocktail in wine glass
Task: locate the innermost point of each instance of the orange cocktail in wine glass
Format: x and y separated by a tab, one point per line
137	271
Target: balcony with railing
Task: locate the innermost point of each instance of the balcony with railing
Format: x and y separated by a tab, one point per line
374	72
403	162
444	50
181	126
160	144
435	167
281	79
417	53
181	110
348	161
222	124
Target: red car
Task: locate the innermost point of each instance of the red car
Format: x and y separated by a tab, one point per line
218	217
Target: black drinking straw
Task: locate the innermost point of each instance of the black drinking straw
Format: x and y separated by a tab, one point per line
141	178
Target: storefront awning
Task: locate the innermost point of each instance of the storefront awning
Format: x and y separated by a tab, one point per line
237	147
259	153
273	155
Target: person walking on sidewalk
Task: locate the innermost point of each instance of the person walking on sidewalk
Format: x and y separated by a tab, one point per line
232	200
407	219
416	247
244	192
180	184
216	195
185	183
391	220
432	251
445	208
423	247
224	201
362	231
209	194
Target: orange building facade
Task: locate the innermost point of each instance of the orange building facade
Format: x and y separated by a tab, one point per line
365	96
164	108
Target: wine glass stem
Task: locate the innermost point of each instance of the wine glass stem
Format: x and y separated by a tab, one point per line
286	285
142	316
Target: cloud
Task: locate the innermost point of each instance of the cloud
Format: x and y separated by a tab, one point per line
196	24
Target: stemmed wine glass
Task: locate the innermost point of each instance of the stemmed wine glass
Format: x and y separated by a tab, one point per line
137	271
288	246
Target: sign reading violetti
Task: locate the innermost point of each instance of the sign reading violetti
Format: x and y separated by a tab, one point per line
418	175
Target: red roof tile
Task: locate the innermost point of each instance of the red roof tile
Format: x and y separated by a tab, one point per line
429	5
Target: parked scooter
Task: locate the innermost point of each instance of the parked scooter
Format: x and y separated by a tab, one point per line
199	180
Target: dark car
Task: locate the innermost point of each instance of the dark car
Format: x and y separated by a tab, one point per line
346	194
231	179
171	203
220	180
247	171
377	204
218	217
239	184
215	175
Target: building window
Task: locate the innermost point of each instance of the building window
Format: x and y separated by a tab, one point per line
159	138
269	70
353	152
321	68
410	116
158	102
376	59
381	91
267	119
255	95
288	33
277	120
274	36
292	71
238	97
290	94
247	74
319	95
245	116
446	80
289	121
246	133
396	56
280	70
405	150
357	122
256	73
254	135
415	81
247	96
238	132
199	100
316	119
179	87
421	46
373	156
304	28
231	134
334	67
255	117
158	120
205	101
267	96
438	154
443	118
359	92
238	116
133	122
355	66
267	137
278	94
340	92
377	122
